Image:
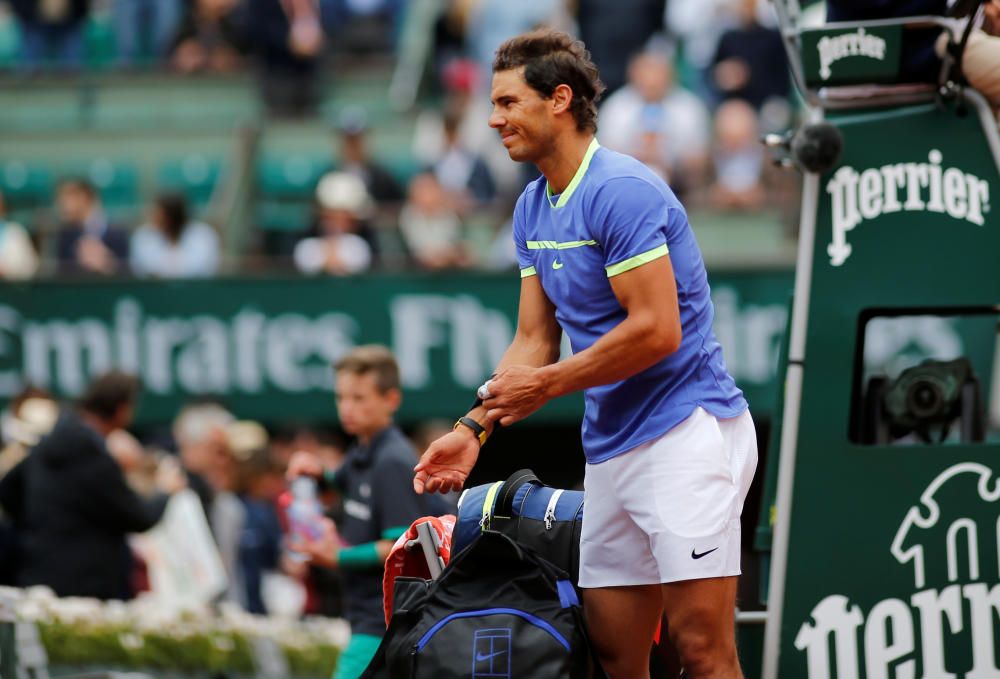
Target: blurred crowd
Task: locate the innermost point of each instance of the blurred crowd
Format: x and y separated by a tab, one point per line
75	482
284	41
692	84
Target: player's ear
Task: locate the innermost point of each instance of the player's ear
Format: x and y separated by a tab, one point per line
562	98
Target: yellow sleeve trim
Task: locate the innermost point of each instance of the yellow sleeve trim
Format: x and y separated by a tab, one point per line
638	260
530	271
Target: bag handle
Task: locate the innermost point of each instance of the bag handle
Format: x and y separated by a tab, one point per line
493	548
504	507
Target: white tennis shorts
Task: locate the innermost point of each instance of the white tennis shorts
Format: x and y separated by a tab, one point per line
669	510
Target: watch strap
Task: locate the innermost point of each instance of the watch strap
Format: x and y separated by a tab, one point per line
477	429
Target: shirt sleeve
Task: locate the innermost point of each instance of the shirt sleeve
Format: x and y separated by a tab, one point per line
633	220
114	504
525	262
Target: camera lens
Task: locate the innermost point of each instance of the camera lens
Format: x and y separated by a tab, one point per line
925	399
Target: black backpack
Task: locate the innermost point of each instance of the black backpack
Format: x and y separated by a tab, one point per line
496	611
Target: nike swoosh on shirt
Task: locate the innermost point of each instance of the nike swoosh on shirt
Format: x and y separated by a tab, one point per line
483	657
695	555
556	264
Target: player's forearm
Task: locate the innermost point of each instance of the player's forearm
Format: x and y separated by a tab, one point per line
629	348
535	351
532	350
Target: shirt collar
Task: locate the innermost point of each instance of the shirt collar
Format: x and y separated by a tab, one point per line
577	178
363	455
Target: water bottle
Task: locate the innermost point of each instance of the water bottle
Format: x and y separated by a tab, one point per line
305	516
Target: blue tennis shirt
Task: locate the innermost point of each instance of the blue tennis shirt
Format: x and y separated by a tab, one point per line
616	215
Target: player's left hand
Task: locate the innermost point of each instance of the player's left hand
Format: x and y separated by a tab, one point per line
515	393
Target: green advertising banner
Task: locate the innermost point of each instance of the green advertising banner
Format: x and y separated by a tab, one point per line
832	56
265	345
889	563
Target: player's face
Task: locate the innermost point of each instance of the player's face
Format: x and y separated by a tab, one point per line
363	409
521	115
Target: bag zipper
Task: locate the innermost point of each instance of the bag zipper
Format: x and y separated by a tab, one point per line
534	620
488	502
550	511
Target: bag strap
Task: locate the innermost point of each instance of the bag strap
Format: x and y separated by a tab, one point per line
504	507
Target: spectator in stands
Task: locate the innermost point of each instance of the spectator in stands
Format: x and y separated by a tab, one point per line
172	245
51	32
449	35
261	482
698	25
18	259
344	244
87	242
364	26
615	31
460	171
461	80
493	21
209	38
287	40
325	590
70	502
144	29
29	416
324	443
658	122
431	227
356	159
737	158
750	64
202	434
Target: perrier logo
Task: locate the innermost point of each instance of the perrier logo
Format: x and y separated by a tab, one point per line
857	44
946	625
902	187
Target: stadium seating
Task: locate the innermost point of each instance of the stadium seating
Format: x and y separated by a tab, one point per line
195	175
26	187
116	180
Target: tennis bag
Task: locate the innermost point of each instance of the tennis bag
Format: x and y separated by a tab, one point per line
496	611
545	520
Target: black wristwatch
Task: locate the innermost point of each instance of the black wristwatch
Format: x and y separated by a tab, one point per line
477	429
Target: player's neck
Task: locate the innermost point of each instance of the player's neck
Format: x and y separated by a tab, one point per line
560	166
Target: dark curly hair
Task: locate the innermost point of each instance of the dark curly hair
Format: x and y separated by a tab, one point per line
552	58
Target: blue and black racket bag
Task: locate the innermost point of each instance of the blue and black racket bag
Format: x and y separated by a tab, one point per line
497	610
545	520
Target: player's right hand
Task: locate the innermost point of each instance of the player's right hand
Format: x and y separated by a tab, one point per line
447	463
304	463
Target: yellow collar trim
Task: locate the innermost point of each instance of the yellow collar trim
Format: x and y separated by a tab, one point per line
577	178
